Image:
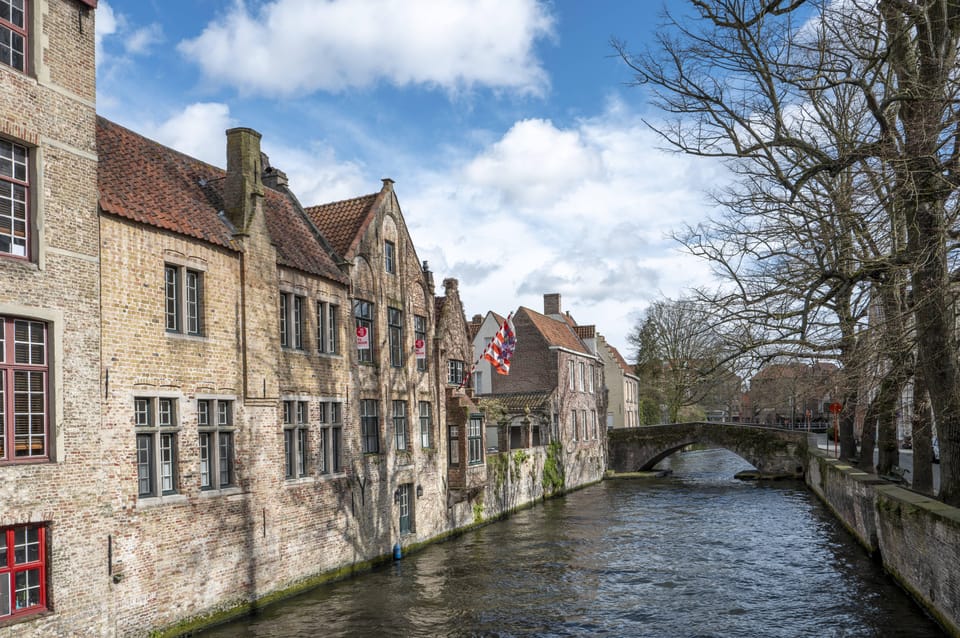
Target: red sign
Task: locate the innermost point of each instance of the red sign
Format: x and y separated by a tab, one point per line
420	348
836	407
363	338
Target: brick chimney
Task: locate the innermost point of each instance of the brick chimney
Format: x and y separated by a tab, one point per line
272	177
243	186
551	304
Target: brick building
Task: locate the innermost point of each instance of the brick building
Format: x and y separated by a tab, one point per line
54	531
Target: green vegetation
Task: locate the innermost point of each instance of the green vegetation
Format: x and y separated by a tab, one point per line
553	473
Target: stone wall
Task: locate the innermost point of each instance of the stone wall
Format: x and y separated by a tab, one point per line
916	537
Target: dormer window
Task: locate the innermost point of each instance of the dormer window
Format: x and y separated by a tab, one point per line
390	257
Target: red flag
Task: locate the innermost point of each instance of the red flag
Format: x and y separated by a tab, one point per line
500	349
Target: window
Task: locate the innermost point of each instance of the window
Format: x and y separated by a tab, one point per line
400	424
395	324
454	436
14	188
295	439
420	335
183	296
369	426
291	320
156	424
13	34
363	312
215	426
455	372
404	498
573	415
24	375
390	257
426	425
23	570
475	439
571	375
583	424
593	423
331	438
592	374
328	328
582	374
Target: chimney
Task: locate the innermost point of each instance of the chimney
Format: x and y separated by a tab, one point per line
272	177
243	185
551	304
428	275
387	184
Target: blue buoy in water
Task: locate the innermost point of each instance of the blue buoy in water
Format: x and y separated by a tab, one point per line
397	554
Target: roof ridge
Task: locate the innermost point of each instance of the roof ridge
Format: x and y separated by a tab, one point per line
162	145
341	201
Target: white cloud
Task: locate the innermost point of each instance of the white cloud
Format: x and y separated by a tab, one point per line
291	46
113	27
198	130
140	41
583	210
106	25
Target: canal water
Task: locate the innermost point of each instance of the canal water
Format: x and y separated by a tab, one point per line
695	554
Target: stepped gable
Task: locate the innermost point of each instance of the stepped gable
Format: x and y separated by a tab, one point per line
343	223
556	333
152	184
147	182
626	367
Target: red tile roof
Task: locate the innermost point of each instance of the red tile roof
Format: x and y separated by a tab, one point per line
556	333
626	367
343	223
149	183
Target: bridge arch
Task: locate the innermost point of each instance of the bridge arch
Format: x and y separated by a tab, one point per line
774	452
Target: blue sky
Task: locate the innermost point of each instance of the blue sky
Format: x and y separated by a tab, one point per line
520	159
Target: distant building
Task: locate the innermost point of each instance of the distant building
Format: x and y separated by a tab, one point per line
622	387
792	393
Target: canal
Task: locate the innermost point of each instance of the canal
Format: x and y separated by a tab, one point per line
696	553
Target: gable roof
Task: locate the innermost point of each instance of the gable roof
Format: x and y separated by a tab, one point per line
555	333
343	223
627	368
146	182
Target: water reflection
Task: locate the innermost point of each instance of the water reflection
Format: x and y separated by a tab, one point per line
694	554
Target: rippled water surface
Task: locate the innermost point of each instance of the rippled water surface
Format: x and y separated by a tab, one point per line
695	554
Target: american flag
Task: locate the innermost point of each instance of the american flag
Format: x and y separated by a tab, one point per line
500	349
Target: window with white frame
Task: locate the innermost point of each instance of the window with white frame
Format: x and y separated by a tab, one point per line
24	390
331	437
390	257
583	424
453	437
593	415
420	335
216	433
592	374
455	371
292	320
296	447
328	328
15	222
571	375
363	313
400	425
426	425
183	300
369	426
395	333
573	417
156	422
23	570
582	374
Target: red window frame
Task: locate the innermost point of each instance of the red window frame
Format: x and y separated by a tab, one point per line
21	31
10	569
24	391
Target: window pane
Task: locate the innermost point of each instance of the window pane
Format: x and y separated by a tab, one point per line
225	460
284	338
225	413
335	443
168	460
145	464
27	588
172	298
301	452
4	594
205	460
166	413
324	450
288	453
194	305
26	545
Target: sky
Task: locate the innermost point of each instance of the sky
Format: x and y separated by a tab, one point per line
516	141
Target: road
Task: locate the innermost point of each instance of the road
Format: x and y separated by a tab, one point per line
906	459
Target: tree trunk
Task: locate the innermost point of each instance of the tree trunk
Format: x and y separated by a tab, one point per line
922	479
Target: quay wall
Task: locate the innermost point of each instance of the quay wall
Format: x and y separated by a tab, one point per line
916	537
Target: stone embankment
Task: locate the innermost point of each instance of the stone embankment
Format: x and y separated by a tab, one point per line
916	537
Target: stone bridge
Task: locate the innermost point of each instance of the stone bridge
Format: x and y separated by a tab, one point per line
775	453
